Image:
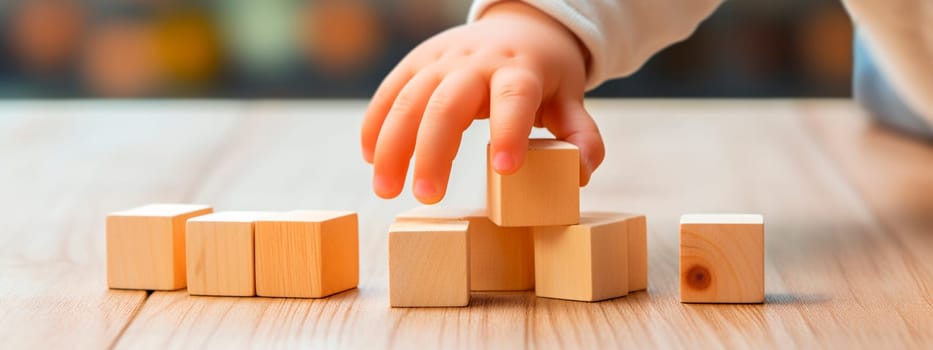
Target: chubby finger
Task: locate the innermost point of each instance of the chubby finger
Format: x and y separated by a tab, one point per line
515	96
379	107
451	109
396	140
573	124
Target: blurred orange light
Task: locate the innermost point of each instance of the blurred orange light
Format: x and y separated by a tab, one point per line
826	38
187	47
119	60
45	33
341	36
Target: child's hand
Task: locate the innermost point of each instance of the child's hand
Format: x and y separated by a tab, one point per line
515	64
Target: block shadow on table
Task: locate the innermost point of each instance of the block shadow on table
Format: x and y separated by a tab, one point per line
796	298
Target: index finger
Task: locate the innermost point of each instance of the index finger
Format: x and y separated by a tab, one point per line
379	107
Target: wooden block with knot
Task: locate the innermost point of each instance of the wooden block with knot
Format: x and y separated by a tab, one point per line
429	264
501	258
722	258
146	246
545	191
584	262
220	253
307	254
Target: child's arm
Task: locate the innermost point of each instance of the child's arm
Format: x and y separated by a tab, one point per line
620	35
523	64
899	37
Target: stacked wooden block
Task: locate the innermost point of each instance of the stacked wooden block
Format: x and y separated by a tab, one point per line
530	236
299	254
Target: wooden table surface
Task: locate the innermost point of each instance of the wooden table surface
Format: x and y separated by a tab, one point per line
848	209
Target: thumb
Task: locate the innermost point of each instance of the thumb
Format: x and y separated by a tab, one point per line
573	124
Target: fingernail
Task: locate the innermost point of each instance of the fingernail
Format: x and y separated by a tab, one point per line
503	162
381	185
424	189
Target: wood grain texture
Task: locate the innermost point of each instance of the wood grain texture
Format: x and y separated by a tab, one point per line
429	263
65	166
637	252
847	249
220	259
583	262
501	258
62	305
307	254
722	259
544	191
636	227
146	246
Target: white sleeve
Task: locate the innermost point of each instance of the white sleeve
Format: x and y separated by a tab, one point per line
620	34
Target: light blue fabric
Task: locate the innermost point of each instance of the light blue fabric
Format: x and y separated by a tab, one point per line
873	91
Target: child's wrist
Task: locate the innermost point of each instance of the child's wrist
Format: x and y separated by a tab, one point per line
518	9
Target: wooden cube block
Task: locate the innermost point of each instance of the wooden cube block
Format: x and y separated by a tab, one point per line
220	253
307	254
544	191
637	253
637	231
585	262
146	246
429	264
722	258
501	258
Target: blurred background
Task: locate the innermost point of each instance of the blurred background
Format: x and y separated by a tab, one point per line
343	48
